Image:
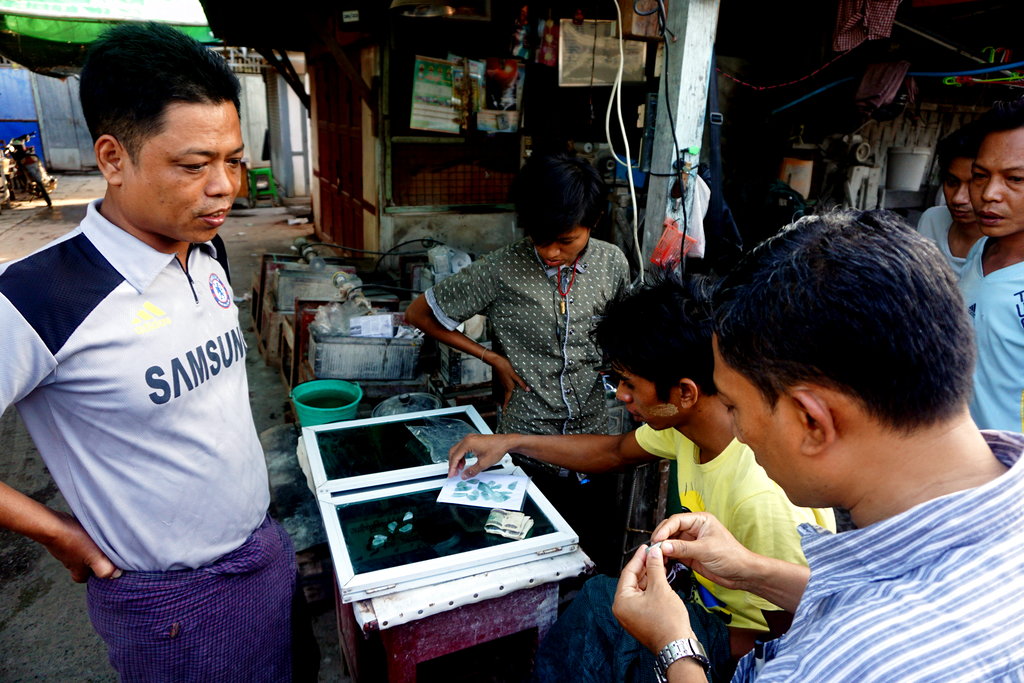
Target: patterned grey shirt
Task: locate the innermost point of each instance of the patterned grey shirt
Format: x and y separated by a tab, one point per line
552	351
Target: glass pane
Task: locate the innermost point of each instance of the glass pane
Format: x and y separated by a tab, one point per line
389	532
390	446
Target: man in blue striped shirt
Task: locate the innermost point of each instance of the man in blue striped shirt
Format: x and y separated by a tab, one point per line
844	353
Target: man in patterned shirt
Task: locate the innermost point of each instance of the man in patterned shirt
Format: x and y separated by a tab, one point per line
844	353
543	295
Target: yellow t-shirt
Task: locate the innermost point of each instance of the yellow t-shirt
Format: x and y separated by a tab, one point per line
736	490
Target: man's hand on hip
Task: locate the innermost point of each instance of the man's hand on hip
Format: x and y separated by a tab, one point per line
79	553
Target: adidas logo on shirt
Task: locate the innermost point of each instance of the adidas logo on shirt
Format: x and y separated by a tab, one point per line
149	318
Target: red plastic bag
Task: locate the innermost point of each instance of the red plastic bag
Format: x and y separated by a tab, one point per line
670	250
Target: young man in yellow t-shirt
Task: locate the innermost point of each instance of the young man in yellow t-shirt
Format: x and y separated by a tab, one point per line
659	343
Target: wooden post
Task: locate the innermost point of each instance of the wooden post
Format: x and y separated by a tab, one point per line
686	68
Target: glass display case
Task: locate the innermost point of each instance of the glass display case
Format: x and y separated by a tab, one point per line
377	482
346	456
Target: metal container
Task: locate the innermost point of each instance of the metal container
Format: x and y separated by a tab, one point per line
406	403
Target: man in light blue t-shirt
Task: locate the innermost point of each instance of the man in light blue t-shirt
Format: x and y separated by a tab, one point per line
953	226
992	279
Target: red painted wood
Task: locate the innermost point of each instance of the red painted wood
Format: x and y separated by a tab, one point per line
418	641
339	162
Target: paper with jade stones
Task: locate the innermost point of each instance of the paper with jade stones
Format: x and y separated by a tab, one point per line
486	490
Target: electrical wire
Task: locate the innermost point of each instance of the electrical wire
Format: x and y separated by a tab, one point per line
783	85
677	164
427	242
812	94
920	74
339	246
616	97
390	288
973	72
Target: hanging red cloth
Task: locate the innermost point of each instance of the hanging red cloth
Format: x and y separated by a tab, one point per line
860	20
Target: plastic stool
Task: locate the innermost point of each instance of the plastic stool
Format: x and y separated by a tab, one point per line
262	186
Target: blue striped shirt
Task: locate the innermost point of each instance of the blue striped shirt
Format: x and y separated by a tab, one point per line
933	594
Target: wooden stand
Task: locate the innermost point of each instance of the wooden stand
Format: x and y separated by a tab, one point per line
407	645
423	624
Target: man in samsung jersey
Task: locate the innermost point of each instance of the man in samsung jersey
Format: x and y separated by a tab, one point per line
123	354
844	354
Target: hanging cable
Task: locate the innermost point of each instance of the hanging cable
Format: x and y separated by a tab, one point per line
783	85
427	242
920	74
678	165
616	97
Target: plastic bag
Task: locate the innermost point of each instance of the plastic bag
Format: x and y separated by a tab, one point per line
333	319
439	434
671	248
445	261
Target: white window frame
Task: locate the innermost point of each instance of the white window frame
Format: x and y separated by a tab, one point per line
429	572
323	485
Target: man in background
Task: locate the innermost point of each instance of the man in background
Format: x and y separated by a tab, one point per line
954	227
992	279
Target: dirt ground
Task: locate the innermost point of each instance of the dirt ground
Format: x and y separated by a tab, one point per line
45	632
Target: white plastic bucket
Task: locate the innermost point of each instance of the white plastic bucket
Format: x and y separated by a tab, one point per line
906	168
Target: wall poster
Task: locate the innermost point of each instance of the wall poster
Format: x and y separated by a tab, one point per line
433	105
588	54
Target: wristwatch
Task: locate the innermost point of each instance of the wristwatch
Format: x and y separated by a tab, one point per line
676	650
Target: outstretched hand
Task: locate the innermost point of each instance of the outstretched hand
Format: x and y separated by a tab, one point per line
488	449
645	603
79	553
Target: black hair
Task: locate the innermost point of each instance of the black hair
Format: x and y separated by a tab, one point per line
961	143
554	193
134	71
859	302
1003	116
662	333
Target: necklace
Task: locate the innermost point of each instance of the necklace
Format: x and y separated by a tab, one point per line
568	287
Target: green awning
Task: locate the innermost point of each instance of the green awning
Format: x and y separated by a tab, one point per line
52	36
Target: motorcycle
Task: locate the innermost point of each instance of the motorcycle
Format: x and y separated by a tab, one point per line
28	174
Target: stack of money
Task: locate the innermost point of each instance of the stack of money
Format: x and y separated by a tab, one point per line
508	523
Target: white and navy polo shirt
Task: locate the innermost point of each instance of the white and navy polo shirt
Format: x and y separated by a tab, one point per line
130	375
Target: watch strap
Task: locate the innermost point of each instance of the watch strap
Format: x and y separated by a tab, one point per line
676	650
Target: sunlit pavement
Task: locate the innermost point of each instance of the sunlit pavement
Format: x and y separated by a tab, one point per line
28	224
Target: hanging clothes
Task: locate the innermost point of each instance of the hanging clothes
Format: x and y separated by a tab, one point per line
860	20
880	86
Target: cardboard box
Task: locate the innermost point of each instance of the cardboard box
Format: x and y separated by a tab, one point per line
458	368
641	27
